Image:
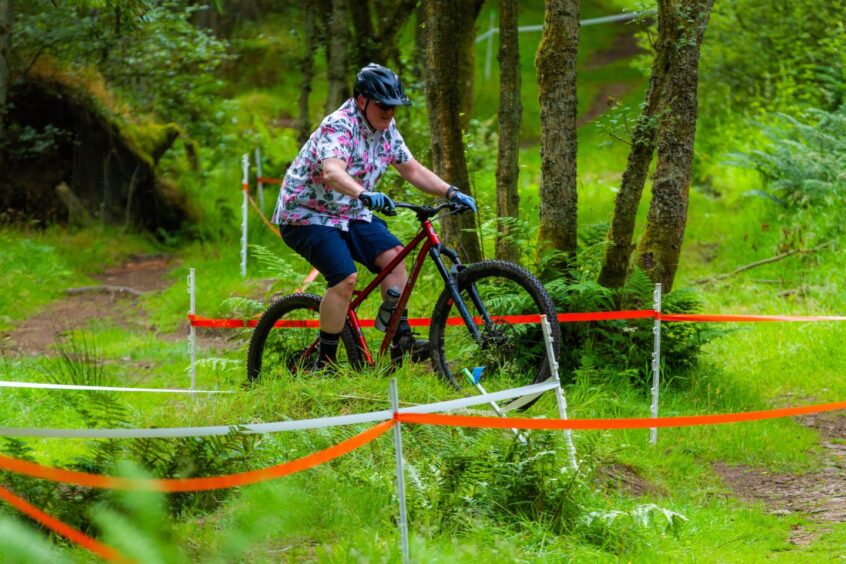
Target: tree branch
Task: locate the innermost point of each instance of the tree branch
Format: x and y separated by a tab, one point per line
762	262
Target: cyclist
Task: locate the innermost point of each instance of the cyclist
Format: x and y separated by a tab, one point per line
324	210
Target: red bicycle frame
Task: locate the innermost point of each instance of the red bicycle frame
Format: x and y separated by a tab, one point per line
430	240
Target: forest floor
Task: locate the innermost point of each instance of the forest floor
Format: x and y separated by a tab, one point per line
115	301
820	495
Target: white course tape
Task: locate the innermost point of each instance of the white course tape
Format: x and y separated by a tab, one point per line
175	432
276	427
43	386
529	398
480	399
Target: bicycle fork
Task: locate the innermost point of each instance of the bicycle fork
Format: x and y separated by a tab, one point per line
451	281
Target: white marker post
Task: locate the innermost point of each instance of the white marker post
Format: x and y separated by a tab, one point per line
656	359
403	519
259	183
489	49
192	334
559	393
245	167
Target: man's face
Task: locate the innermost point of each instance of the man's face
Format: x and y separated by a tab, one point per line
378	115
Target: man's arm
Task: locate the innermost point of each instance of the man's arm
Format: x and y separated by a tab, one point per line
336	176
423	178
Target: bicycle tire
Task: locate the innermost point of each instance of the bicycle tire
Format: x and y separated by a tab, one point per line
512	354
286	347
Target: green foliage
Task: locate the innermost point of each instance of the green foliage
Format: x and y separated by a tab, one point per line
20	544
620	530
620	348
774	55
179	458
26	141
147	50
514	484
803	165
27	265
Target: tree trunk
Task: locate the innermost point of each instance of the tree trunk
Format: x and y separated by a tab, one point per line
556	70
364	46
659	248
465	43
5	42
377	42
307	66
336	46
615	265
396	14
446	26
508	149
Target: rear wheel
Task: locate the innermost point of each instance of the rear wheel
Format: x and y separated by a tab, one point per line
511	351
286	350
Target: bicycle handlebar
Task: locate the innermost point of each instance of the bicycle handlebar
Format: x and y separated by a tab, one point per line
426	212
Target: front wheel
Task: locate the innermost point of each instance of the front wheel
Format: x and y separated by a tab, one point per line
506	301
285	340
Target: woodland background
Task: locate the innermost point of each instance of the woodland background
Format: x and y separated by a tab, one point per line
700	145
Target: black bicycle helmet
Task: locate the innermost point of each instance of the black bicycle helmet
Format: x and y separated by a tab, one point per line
380	84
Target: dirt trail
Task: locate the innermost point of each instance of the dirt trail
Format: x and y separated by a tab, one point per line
819	495
142	273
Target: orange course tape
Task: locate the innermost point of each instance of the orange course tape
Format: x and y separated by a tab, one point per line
197	321
269	180
596	424
700	317
194	484
270	226
80	538
534	318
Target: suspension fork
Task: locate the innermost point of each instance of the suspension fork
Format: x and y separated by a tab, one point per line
451	281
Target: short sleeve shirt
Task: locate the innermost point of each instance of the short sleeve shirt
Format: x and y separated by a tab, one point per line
344	134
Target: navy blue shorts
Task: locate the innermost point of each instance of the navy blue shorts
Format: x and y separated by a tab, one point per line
332	251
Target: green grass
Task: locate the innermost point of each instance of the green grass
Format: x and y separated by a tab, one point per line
38	265
344	511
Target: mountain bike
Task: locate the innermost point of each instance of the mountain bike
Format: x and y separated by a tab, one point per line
485	321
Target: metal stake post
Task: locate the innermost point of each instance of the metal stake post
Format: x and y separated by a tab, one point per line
245	167
192	335
403	520
259	183
498	410
656	359
559	393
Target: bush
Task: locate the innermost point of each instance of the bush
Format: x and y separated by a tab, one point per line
803	165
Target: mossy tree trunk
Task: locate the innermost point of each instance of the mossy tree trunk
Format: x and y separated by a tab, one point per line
307	67
5	42
508	150
659	247
336	53
447	26
615	265
556	70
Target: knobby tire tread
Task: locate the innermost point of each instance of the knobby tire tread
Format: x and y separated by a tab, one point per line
274	313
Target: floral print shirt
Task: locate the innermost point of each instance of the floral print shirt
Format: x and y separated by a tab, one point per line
344	134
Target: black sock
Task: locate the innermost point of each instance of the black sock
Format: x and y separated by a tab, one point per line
328	346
